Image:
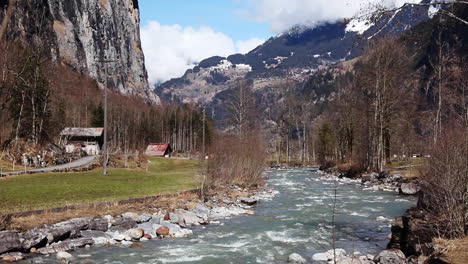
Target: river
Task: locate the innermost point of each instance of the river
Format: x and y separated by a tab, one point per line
297	220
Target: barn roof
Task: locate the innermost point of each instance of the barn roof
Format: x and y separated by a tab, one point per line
82	132
157	149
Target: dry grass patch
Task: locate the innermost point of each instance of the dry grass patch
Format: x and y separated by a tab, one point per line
451	251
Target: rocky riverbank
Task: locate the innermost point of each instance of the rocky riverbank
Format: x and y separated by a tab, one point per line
401	248
128	229
383	181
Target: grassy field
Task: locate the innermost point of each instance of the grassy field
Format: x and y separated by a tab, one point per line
409	168
49	190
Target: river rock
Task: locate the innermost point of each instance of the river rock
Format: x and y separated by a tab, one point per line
369	177
145	217
348	260
189	218
126	223
64	257
9	241
135	217
390	256
135	233
99	237
99	225
12	257
200	210
67	229
67	245
247	200
409	189
329	255
34	238
162	231
296	258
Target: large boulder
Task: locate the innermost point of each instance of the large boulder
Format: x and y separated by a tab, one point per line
296	258
64	257
187	218
330	255
67	245
162	231
99	237
99	225
34	238
369	177
390	256
409	188
124	222
136	217
135	234
9	241
247	200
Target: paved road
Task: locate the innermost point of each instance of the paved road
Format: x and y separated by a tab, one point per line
75	164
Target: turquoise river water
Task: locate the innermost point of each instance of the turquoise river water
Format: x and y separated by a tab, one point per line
297	220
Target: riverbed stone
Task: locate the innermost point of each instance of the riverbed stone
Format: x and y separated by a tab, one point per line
9	241
329	255
390	256
12	257
64	257
124	222
189	218
296	258
135	233
67	245
247	200
409	189
145	217
34	238
135	217
162	231
349	260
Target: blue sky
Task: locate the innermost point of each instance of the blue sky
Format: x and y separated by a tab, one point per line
226	16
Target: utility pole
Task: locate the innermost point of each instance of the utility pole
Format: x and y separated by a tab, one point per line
203	147
104	146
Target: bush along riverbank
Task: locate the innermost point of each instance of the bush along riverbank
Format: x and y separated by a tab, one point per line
127	229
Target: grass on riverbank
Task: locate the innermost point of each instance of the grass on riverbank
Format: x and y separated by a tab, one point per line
409	168
50	190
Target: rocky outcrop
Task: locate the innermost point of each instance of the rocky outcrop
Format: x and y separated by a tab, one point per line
413	233
86	35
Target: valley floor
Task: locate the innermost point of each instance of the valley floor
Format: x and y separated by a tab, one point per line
51	190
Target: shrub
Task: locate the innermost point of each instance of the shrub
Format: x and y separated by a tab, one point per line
445	184
236	161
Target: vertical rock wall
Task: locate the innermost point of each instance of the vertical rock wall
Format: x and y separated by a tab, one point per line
99	38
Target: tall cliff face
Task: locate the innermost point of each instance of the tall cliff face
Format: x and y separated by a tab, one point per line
98	38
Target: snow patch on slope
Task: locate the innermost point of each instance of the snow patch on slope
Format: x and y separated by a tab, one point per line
433	10
359	25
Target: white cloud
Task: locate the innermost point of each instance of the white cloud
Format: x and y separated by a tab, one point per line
283	15
171	49
244	46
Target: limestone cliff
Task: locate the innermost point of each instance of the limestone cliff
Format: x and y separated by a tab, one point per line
98	38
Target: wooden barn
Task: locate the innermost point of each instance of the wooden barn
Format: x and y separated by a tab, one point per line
159	150
89	140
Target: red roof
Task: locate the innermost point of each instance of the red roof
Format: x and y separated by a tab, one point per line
157	149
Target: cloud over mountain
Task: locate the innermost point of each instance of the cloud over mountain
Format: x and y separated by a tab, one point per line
172	49
283	15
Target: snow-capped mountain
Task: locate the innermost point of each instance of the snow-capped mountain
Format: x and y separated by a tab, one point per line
294	56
